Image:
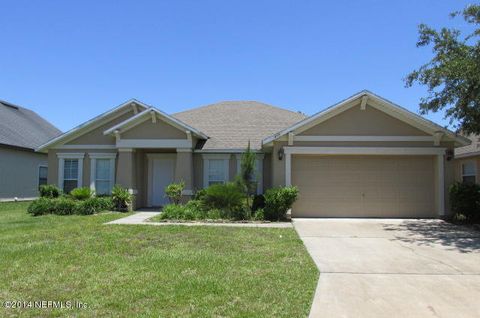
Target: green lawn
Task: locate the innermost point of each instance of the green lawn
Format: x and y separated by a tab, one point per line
141	270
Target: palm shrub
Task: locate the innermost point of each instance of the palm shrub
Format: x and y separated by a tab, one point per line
122	199
278	201
174	192
465	201
49	191
82	193
227	198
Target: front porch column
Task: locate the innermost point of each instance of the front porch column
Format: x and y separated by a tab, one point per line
184	170
440	186
126	169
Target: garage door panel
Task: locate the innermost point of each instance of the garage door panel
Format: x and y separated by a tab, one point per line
363	186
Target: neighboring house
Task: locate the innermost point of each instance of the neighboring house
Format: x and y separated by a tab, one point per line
22	169
363	157
467	161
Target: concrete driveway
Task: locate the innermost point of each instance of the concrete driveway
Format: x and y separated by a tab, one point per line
393	268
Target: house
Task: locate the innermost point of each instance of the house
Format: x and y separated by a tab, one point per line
22	169
467	161
362	157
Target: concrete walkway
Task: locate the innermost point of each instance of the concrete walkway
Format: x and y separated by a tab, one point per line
136	218
142	217
393	268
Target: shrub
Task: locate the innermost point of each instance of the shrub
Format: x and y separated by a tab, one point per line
41	206
259	215
105	203
88	206
258	202
278	201
49	191
214	214
193	210
69	206
225	197
174	192
199	194
82	193
64	206
122	199
176	212
465	201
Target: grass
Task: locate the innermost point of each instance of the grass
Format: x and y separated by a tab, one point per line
164	271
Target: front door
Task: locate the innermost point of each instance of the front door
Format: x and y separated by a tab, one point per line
162	174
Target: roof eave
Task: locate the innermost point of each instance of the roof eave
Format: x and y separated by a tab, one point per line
44	147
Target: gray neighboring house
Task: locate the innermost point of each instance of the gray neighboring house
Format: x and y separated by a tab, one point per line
22	169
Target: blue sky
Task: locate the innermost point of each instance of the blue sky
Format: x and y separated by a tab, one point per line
71	60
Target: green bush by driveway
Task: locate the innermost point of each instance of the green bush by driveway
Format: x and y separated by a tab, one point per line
151	271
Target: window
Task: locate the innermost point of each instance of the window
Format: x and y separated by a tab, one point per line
70	171
42	175
468	172
102	180
215	169
102	172
70	175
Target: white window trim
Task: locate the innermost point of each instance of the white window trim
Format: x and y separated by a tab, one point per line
93	167
207	157
468	175
38	173
61	164
438	152
258	169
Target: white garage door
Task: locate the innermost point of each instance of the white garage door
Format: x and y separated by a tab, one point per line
364	186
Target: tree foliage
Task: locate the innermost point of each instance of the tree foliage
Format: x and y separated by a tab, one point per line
247	170
452	76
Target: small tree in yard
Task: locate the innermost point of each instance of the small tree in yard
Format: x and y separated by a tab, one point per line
247	178
174	192
452	76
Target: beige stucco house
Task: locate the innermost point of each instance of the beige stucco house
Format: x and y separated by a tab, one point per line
363	157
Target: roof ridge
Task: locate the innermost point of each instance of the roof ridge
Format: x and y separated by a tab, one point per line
238	101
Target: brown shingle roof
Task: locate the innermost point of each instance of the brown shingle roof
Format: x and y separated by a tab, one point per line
231	124
471	150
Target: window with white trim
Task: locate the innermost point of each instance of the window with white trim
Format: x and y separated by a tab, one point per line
70	175
42	175
102	174
70	171
215	169
102	177
469	172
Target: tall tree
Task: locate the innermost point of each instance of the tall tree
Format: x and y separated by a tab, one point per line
453	74
248	178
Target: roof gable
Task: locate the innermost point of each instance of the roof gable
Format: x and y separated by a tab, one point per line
94	123
356	121
368	99
153	113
